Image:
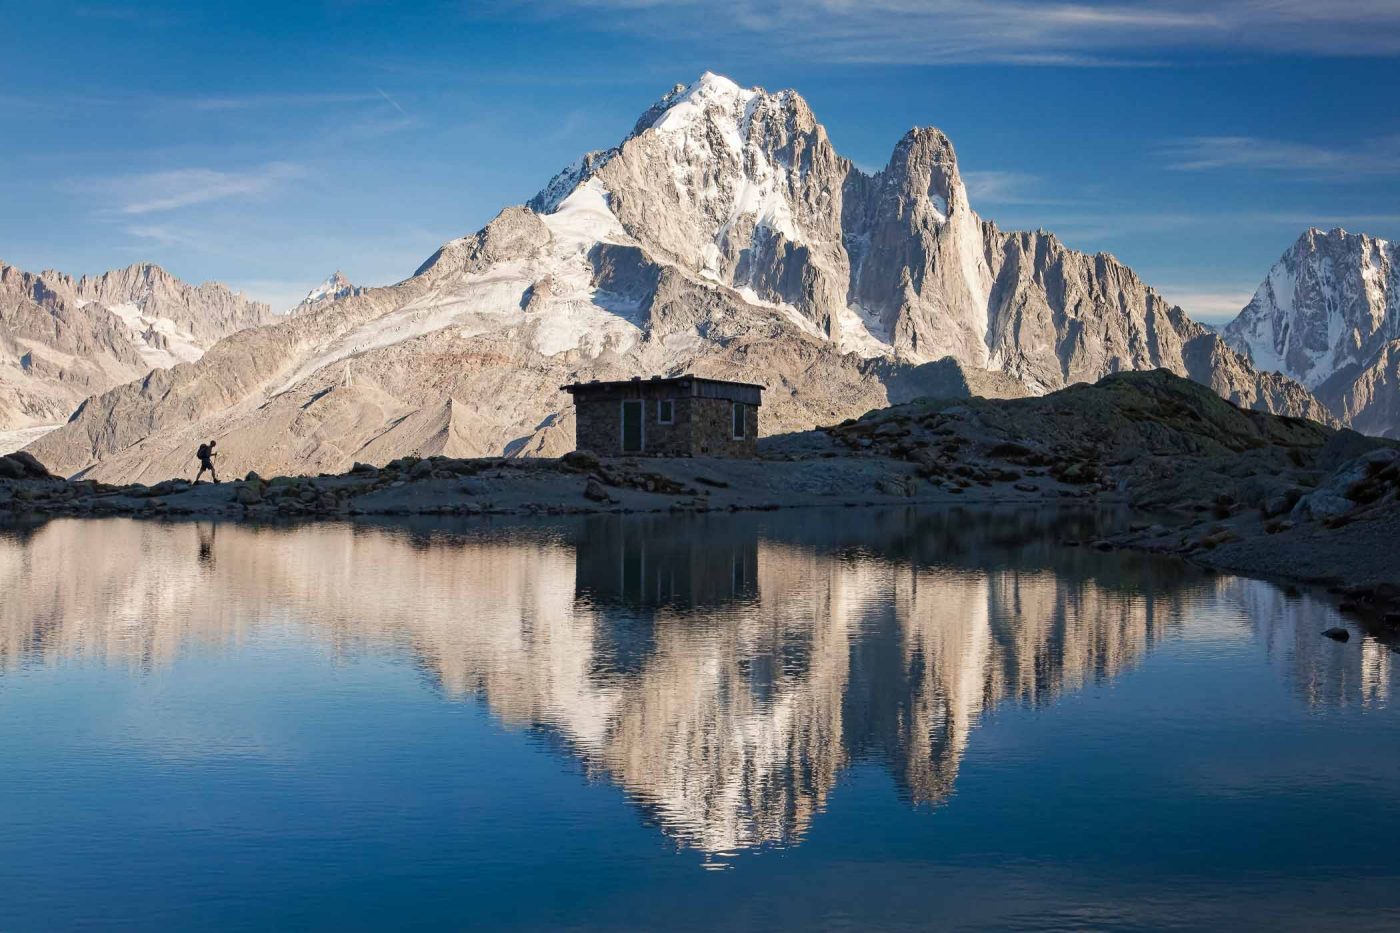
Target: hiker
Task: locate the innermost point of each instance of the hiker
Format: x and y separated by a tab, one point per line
206	457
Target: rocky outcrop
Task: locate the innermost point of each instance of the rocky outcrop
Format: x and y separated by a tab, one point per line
1159	440
724	236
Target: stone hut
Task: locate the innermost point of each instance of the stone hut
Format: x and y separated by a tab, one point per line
682	416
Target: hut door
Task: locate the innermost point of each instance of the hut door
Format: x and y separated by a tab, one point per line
632	417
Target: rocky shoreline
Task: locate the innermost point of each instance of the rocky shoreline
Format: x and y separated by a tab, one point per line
577	483
1235	490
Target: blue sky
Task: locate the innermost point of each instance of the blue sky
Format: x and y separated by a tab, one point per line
267	144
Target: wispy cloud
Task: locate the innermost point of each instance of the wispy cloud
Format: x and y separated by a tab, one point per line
154	192
163	235
393	103
1211	306
1089	32
108	11
1203	153
269	101
281	294
568	126
1002	187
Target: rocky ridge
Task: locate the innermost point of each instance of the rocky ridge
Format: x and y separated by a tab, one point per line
64	339
724	236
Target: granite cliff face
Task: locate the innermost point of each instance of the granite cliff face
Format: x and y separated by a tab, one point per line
64	339
1328	315
723	236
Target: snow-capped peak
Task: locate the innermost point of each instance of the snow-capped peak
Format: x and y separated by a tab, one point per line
330	287
711	91
335	287
1330	302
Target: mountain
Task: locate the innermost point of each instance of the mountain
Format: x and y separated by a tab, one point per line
332	289
724	236
64	339
1328	315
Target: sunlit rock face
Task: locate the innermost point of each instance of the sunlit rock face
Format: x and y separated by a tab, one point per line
724	672
63	339
1328	315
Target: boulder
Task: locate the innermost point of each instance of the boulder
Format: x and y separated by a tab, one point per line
594	490
894	486
1280	503
1323	504
1337	633
581	461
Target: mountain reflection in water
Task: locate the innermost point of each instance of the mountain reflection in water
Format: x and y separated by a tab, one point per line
724	671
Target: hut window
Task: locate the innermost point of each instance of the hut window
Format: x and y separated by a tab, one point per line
739	421
665	411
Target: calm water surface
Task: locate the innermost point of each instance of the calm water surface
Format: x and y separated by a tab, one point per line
832	719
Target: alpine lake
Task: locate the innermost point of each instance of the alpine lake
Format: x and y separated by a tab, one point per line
856	719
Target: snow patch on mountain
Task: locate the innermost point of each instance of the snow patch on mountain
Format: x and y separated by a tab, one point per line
863	332
549	296
161	342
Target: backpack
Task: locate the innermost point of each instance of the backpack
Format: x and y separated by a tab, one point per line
203	452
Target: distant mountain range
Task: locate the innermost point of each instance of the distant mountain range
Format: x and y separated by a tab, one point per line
64	339
723	236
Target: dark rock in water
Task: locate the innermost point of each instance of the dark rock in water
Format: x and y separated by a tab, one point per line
1338	634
